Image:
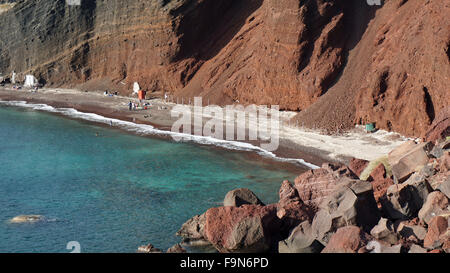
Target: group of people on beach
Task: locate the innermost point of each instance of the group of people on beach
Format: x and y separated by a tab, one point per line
132	106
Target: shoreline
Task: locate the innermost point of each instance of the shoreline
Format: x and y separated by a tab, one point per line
292	149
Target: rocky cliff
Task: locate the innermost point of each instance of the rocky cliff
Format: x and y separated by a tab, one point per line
339	62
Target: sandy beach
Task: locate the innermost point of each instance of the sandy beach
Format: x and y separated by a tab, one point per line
295	142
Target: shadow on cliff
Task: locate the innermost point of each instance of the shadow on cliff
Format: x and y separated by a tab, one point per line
207	27
358	15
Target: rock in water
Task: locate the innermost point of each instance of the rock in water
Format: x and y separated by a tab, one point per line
149	249
176	249
245	229
27	219
193	229
239	197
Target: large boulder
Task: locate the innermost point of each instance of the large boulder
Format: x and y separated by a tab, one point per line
436	229
314	186
245	229
380	183
357	166
408	158
352	203
436	204
193	229
348	239
290	209
301	240
403	201
239	197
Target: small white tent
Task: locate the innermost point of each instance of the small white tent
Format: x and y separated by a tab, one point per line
136	87
13	78
30	81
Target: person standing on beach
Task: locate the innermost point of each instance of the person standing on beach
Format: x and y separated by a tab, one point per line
130	105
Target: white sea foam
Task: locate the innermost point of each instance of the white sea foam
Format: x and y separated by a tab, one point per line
144	129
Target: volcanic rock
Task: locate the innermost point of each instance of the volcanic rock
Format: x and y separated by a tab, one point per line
245	229
436	203
408	158
347	240
301	240
357	166
380	183
193	229
314	186
384	231
176	249
403	201
149	249
239	197
352	203
438	226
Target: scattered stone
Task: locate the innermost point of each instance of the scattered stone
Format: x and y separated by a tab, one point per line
27	219
301	240
416	249
445	187
391	249
352	203
176	249
245	229
437	227
440	127
406	231
149	249
357	166
314	186
436	204
347	240
408	158
380	183
403	201
193	229
384	231
239	197
288	193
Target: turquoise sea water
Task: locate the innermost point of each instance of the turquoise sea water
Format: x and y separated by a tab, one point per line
112	192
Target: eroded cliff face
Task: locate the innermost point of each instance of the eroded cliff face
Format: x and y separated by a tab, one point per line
337	61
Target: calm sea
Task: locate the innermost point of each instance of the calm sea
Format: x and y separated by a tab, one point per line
110	190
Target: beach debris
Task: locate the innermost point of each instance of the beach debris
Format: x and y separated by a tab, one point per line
27	219
239	197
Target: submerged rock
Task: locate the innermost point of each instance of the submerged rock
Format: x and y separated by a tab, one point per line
149	249
27	219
